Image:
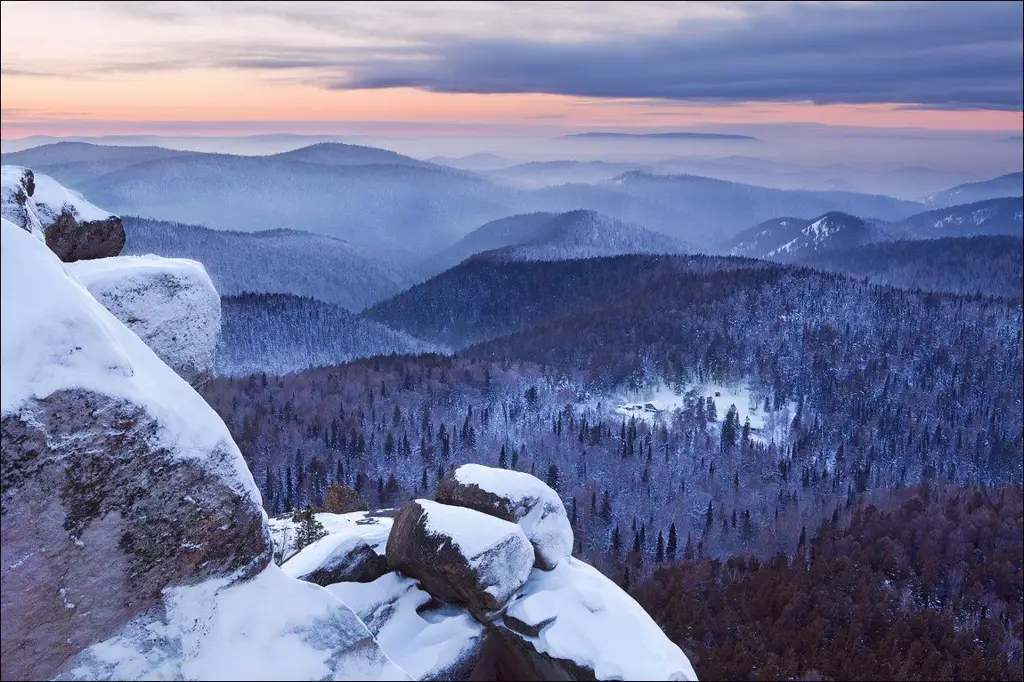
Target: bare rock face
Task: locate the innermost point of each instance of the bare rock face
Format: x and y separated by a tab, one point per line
170	303
117	481
73	228
516	497
337	558
460	555
74	240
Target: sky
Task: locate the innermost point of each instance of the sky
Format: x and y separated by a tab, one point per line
497	68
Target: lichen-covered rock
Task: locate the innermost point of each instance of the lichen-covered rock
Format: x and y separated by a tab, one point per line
517	497
460	555
72	227
98	517
118	480
170	303
337	558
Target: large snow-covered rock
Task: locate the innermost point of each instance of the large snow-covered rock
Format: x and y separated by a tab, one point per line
337	558
517	497
429	639
169	302
576	615
118	480
72	227
569	623
460	555
133	541
270	628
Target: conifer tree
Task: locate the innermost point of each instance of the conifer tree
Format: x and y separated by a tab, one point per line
309	531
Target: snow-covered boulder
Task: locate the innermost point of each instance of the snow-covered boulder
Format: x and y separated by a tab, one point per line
169	302
576	617
569	623
429	639
118	479
460	555
517	497
269	628
337	558
72	227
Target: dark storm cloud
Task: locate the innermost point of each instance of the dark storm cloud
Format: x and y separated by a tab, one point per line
930	55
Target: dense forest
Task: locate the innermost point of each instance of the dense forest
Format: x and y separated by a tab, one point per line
689	410
963	265
282	333
837	388
920	584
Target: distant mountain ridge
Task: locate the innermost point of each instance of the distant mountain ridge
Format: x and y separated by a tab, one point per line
666	136
986	265
794	239
400	208
274	261
340	154
554	236
1009	185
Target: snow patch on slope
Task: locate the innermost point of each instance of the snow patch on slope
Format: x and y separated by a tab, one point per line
659	404
314	556
425	637
373	529
270	628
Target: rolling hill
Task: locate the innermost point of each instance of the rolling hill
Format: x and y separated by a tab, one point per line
554	236
274	261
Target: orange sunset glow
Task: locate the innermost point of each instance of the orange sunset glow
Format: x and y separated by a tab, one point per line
48	88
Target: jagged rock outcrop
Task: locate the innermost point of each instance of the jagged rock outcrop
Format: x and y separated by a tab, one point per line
460	555
133	541
72	227
564	623
517	497
337	559
170	303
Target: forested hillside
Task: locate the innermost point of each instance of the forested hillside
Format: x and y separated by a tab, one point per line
736	406
280	333
922	583
990	266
